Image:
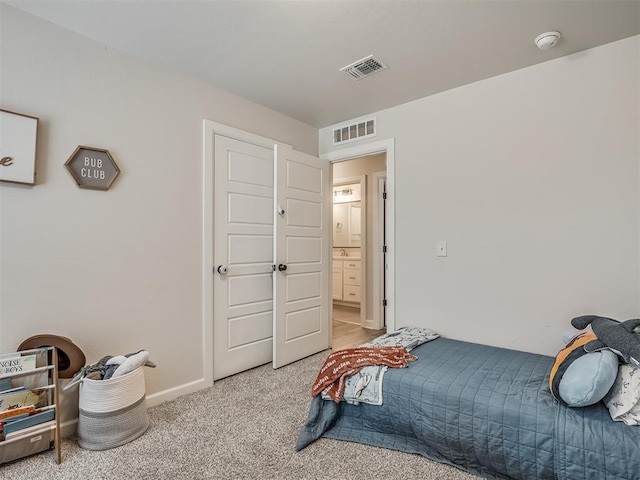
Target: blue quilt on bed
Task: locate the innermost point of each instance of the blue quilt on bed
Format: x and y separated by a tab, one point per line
488	411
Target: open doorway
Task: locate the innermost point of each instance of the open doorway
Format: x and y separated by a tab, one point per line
357	241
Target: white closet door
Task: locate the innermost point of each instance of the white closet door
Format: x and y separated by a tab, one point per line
243	223
302	256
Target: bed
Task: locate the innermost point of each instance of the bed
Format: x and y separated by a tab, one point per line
485	410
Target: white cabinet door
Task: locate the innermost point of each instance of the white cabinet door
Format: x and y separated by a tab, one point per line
302	255
337	283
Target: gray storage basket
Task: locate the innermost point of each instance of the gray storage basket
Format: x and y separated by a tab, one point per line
112	412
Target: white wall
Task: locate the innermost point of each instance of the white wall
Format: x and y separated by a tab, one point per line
120	270
532	179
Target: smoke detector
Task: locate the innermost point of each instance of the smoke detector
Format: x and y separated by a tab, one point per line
546	40
364	67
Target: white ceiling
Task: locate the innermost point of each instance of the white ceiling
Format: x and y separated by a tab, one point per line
286	55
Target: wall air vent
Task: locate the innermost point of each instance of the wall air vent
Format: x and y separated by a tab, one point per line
354	131
364	67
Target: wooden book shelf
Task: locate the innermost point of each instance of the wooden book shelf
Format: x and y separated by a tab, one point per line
40	431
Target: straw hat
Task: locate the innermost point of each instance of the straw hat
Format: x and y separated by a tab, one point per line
70	358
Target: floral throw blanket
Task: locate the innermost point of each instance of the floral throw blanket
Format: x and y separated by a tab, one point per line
623	400
365	385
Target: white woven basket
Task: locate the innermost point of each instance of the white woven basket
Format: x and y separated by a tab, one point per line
112	412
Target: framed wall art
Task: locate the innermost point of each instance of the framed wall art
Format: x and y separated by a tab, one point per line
18	135
92	168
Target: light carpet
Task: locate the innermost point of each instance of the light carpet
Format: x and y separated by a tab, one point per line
244	427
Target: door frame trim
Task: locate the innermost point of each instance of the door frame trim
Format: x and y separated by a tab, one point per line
379	178
382	146
210	130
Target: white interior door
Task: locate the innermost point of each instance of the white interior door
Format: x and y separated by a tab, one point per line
243	245
302	254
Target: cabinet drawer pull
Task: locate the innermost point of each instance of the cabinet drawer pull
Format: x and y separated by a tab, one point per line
352	278
352	294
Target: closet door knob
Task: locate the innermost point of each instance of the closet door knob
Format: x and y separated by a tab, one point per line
222	269
282	267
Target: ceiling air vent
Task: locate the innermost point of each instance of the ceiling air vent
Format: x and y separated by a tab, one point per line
354	131
363	68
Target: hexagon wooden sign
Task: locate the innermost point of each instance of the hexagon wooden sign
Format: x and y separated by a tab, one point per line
92	168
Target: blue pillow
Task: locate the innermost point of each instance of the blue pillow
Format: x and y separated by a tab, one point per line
589	378
579	378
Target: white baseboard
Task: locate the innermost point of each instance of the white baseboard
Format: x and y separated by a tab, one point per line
346	304
69	427
175	392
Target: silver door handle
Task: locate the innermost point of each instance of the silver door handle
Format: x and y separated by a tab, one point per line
282	267
280	210
222	269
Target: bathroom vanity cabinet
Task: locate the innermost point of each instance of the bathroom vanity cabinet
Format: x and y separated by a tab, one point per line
347	281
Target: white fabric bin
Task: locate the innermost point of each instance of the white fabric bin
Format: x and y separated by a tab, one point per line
112	412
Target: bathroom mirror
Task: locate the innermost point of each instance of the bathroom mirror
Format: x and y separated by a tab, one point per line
347	221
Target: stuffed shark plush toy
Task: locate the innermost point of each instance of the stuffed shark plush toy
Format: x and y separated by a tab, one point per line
618	337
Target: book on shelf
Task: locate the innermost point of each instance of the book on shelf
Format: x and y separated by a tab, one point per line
5	384
13	389
16	363
30	421
9	401
13	413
